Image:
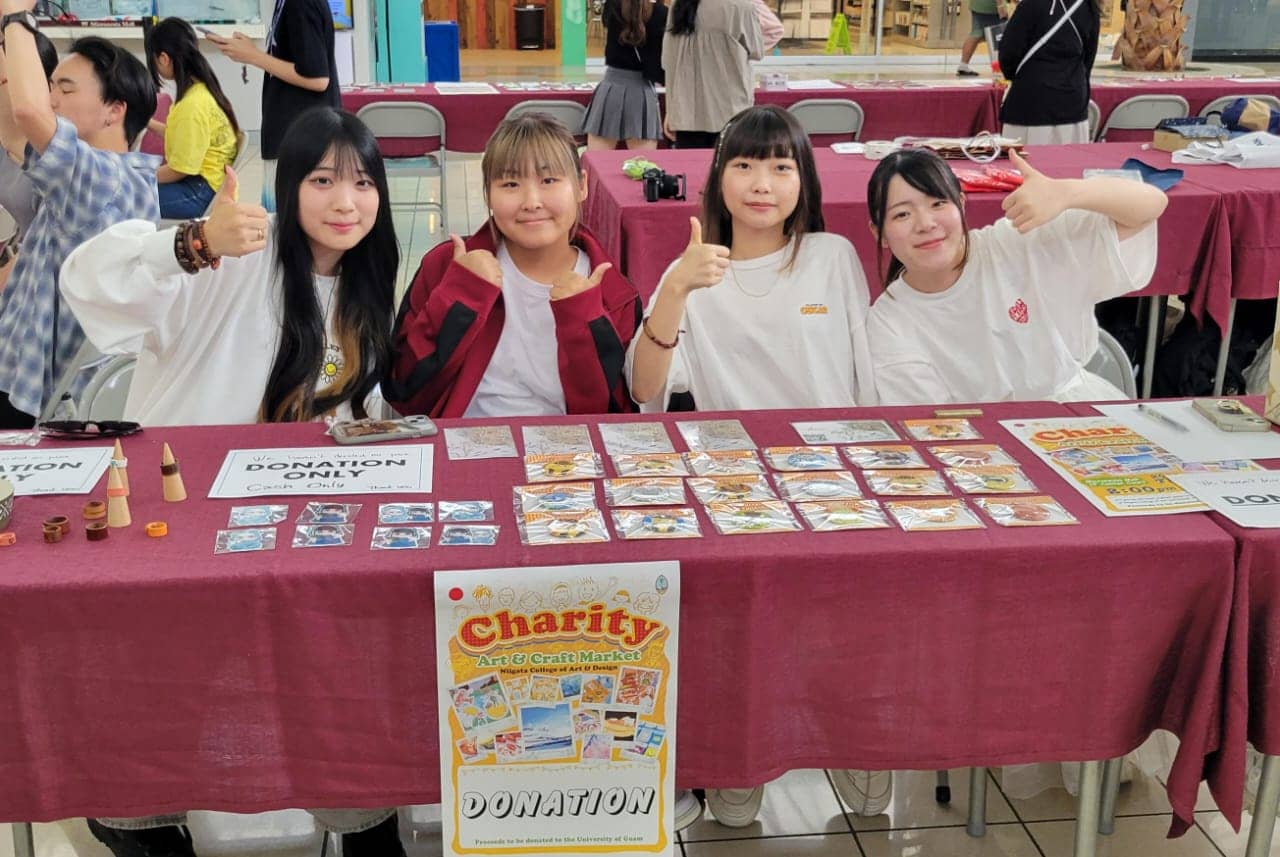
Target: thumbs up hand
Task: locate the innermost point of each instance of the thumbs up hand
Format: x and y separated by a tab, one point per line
482	263
1039	200
235	228
571	282
701	265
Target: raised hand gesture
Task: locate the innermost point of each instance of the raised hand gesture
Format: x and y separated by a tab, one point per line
1039	200
235	228
482	263
701	265
571	283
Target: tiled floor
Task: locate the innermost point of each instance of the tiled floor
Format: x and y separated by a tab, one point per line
802	817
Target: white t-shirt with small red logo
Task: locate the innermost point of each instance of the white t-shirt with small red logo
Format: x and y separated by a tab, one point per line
1018	325
771	336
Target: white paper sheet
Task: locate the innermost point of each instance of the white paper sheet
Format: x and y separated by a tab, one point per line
466	88
817	83
1249	499
54	471
1203	441
325	470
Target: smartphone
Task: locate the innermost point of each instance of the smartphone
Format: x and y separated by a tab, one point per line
207	31
377	431
1230	415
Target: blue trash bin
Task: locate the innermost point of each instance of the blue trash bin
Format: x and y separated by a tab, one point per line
441	38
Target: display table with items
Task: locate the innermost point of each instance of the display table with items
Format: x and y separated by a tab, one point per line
1109	92
859	591
472	110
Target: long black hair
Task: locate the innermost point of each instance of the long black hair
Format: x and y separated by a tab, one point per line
928	173
175	37
758	133
683	14
366	276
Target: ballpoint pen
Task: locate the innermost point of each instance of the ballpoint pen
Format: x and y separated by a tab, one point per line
1162	418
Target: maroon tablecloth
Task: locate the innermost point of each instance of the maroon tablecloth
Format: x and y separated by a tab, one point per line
645	237
1199	91
149	675
890	109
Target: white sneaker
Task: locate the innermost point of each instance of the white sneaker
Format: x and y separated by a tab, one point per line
735	807
688	809
866	793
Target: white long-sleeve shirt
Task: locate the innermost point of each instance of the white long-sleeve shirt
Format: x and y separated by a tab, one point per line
205	342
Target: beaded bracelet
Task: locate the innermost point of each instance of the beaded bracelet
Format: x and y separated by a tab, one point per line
655	340
201	246
182	249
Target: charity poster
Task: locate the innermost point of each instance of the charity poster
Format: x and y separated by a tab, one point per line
401	469
557	708
54	471
1116	469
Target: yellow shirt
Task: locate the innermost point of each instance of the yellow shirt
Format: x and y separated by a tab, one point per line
198	138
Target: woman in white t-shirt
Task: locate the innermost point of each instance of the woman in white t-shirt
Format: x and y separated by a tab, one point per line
250	319
1003	313
762	310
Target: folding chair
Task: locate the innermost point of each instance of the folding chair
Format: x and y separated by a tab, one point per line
1111	363
1217	105
88	356
105	395
414	120
571	114
1095	117
834	116
1144	113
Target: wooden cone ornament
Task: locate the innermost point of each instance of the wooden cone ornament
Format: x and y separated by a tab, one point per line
117	501
174	490
119	462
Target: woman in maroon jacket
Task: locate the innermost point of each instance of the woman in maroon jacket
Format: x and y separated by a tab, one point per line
527	317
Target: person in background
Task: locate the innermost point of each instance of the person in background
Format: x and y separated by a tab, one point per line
17	195
299	69
707	54
625	104
1047	53
200	131
76	141
982	14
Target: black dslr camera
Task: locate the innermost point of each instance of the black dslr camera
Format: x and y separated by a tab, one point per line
661	185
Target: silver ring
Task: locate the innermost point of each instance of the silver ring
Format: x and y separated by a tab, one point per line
262	234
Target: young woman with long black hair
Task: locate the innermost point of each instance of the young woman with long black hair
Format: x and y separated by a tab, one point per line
625	104
200	131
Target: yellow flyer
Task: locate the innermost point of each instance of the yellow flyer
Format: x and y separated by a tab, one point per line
558	708
1118	470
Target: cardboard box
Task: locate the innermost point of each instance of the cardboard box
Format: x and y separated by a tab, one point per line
1180	136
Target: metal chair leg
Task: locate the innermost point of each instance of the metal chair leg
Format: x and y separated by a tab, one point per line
1155	329
23	842
1110	791
1264	809
1224	350
1086	843
942	791
977	802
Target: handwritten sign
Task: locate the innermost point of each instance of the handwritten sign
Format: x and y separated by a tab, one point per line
325	470
54	471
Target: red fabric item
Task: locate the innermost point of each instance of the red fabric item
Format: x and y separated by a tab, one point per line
148	675
440	286
1198	91
1194	246
891	110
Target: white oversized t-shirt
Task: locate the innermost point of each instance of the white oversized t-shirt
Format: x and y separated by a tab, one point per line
1018	322
523	376
771	338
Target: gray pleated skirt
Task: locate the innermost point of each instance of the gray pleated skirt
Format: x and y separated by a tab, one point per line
624	107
